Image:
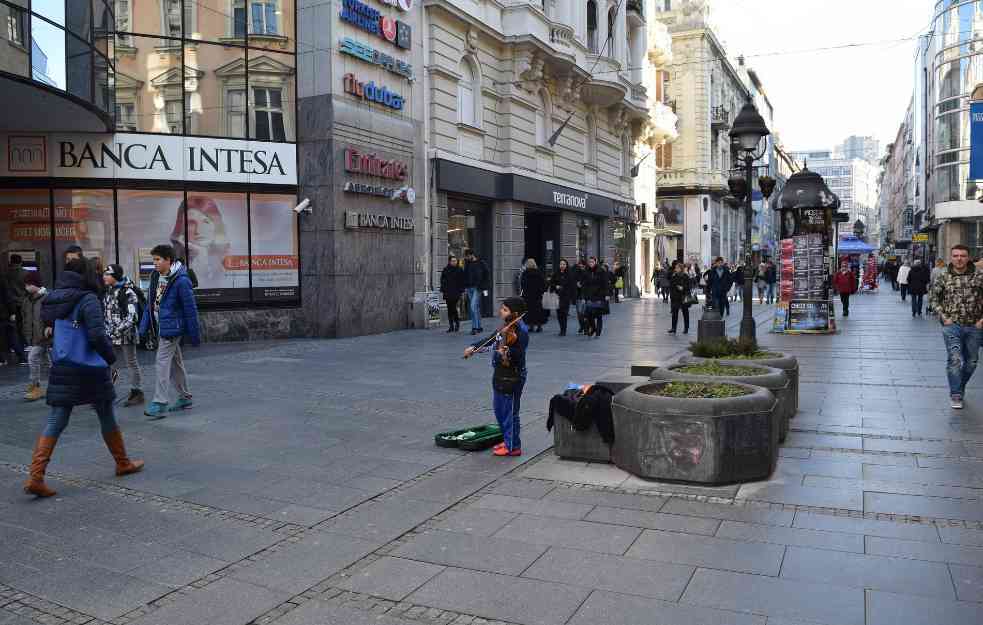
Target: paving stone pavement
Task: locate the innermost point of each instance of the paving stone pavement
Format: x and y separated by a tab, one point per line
304	488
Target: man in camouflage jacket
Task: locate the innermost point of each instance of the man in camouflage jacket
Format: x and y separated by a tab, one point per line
957	295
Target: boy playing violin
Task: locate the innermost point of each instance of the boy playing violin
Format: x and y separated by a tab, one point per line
509	362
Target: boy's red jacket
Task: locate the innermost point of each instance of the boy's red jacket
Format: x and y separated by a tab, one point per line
845	282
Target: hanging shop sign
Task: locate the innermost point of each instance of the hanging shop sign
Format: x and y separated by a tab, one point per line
367	53
373	21
354	221
357	162
405	194
149	157
369	91
976	140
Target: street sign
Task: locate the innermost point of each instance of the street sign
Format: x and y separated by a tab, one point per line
976	141
920	238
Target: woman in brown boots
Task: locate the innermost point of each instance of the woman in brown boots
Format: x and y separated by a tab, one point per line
75	301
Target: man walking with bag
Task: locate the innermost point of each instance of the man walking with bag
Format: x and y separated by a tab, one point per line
172	311
958	297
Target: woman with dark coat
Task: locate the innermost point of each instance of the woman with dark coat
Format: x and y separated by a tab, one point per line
76	297
918	280
564	284
680	286
596	286
533	285
452	286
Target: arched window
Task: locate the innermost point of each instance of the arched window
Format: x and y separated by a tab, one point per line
592	26
590	142
612	29
544	113
468	94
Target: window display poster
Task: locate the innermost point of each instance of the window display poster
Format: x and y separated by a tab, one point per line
275	248
216	244
808	316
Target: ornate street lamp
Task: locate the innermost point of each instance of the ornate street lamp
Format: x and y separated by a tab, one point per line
746	134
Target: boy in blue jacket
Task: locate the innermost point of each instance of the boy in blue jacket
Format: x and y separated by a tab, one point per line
509	364
171	314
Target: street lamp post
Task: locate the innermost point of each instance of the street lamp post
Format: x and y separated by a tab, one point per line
747	132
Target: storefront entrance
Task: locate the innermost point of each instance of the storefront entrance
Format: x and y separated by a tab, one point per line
543	239
469	227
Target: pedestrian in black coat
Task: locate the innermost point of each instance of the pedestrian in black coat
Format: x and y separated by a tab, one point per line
918	280
533	285
579	273
564	284
596	287
75	297
452	281
680	286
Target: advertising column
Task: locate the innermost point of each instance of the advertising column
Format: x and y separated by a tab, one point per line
805	259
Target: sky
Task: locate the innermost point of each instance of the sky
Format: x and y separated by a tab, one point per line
822	97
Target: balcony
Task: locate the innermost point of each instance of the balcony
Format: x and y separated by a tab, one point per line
636	12
659	44
719	118
562	37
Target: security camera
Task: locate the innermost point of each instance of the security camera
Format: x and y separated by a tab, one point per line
303	207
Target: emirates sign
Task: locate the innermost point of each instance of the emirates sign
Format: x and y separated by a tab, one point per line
371	165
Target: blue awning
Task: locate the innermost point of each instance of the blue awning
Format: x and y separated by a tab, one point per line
853	245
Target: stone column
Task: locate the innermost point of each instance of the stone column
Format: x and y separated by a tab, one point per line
510	247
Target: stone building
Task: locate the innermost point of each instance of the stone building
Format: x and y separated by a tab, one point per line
534	111
708	91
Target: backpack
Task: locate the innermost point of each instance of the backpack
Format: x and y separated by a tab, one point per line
122	299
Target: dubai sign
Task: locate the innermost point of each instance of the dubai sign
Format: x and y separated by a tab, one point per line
369	91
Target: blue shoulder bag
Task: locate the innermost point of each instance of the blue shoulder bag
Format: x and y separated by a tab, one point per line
71	346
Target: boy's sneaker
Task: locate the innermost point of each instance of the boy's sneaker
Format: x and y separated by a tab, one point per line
956	402
182	404
156	410
135	399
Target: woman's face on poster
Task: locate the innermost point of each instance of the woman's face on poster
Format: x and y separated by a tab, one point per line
789	223
201	228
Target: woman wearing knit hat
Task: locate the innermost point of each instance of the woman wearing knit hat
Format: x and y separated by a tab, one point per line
509	378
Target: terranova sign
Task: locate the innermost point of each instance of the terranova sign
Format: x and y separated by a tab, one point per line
148	157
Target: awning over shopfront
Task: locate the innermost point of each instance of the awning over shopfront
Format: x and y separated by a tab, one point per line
853	245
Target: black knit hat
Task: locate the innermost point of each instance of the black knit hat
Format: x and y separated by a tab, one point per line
516	304
115	271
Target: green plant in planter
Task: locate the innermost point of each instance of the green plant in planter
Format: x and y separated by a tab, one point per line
732	349
699	390
715	368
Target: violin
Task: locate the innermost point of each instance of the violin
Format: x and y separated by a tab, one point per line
508	334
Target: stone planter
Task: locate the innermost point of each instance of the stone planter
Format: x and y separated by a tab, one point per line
702	441
770	378
788	364
571	444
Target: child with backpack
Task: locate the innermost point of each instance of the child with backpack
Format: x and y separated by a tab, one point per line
123	304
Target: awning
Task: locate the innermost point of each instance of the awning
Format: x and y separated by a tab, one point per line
853	245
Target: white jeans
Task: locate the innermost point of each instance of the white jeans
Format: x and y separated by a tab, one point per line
36	356
170	368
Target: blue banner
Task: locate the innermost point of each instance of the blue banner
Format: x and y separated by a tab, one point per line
976	141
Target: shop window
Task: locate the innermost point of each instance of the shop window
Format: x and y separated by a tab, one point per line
271	96
211	72
84	217
216	245
126	116
15	60
47	54
268	110
236	113
468	94
146	219
25	229
275	248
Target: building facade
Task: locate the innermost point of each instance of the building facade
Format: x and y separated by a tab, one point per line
865	148
854	181
535	110
175	123
708	91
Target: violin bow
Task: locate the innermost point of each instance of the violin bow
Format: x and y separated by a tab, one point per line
491	338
